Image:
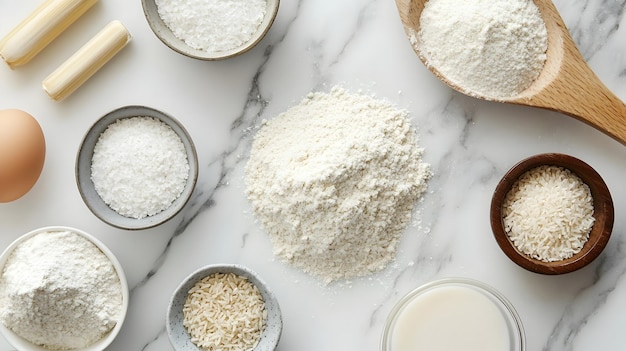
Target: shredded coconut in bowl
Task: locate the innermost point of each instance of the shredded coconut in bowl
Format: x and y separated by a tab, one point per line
139	166
334	181
213	25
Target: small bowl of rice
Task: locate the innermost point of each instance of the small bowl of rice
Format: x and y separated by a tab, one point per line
210	29
223	307
552	214
136	168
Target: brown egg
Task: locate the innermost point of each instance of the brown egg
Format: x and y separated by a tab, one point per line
22	153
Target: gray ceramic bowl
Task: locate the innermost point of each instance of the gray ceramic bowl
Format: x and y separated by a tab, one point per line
164	34
22	344
83	170
180	339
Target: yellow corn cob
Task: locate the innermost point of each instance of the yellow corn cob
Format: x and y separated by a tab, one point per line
86	61
40	28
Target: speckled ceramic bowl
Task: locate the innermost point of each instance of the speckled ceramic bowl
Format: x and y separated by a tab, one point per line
178	335
168	38
22	344
83	170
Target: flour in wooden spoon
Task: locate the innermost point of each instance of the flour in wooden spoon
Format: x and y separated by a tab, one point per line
491	48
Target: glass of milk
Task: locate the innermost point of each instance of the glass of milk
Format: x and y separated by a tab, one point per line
453	314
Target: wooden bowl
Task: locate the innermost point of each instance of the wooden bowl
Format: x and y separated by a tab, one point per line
603	214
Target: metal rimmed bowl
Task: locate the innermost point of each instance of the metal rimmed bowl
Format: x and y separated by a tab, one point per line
603	214
453	314
165	34
86	186
22	344
178	334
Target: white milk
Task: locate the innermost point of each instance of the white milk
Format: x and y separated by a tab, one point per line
451	318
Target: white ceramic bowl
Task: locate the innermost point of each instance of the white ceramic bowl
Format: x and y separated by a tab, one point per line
456	305
22	344
178	335
83	170
168	38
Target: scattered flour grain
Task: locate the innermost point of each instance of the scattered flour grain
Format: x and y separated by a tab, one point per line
334	181
493	48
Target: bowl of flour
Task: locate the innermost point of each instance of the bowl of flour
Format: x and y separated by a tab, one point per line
61	289
136	168
210	29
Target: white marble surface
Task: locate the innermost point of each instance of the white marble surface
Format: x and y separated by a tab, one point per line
313	45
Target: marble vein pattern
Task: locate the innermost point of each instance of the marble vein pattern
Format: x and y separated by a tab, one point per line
314	45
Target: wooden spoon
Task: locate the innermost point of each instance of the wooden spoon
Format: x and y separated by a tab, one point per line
566	85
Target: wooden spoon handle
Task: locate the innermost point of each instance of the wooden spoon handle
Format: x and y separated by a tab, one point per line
570	86
578	92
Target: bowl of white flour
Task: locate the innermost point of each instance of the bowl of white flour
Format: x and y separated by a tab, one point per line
136	168
210	29
61	288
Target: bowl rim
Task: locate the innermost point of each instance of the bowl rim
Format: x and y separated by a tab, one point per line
165	35
22	344
86	188
603	214
513	320
273	329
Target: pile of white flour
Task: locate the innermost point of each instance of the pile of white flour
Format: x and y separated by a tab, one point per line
493	48
334	181
58	290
